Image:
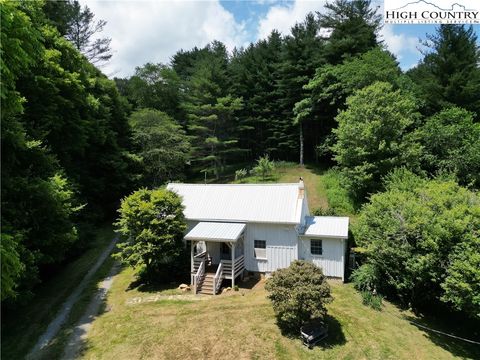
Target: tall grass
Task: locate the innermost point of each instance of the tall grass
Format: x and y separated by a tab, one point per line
337	195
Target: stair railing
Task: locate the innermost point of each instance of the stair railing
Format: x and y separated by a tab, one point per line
199	276
217	280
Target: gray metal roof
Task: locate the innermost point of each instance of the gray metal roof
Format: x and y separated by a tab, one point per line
216	231
326	226
260	203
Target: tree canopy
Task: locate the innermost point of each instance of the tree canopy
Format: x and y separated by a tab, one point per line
419	234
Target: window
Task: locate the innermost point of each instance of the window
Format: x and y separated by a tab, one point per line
316	247
260	249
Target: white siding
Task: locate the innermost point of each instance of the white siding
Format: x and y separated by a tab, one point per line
281	246
332	259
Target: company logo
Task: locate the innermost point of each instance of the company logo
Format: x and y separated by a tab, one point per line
427	12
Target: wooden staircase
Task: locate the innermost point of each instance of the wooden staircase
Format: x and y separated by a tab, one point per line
206	285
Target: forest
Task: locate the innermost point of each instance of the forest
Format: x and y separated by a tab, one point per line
405	143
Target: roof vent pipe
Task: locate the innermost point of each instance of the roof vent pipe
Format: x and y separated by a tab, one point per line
301	188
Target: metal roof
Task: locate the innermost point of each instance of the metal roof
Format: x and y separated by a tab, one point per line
326	226
260	203
216	231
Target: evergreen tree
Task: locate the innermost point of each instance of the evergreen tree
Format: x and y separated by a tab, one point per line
211	112
302	54
255	75
449	74
355	25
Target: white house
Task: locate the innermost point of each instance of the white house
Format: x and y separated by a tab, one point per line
256	227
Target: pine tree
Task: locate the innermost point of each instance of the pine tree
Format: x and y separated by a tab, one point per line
450	72
302	54
255	74
211	112
355	25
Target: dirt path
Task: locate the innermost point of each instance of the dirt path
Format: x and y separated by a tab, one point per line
79	335
64	311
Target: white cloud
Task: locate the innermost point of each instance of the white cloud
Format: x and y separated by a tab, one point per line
153	31
399	44
283	17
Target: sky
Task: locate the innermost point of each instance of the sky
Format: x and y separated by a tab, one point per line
154	30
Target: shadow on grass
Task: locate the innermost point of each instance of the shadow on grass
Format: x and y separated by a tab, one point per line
335	336
151	287
456	347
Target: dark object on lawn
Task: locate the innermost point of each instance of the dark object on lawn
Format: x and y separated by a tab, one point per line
313	332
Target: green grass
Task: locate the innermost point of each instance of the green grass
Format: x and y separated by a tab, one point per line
22	327
242	325
324	187
337	195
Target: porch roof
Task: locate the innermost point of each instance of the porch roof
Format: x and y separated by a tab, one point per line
216	231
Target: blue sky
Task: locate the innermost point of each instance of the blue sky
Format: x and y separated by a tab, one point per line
152	31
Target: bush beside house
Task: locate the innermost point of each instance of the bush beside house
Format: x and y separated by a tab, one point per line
298	293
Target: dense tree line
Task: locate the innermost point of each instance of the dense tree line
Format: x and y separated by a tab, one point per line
66	145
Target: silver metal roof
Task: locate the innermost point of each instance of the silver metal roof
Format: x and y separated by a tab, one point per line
259	203
326	226
216	231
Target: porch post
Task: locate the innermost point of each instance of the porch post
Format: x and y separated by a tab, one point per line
191	261
233	264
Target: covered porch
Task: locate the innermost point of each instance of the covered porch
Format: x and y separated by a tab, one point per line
217	253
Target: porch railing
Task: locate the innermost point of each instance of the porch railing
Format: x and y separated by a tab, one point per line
239	266
197	259
217	280
198	277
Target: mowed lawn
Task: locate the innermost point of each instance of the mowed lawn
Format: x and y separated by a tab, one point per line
241	325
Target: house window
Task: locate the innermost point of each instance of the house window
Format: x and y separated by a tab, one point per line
260	249
316	247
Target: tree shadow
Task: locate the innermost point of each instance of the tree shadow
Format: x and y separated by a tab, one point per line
335	336
456	347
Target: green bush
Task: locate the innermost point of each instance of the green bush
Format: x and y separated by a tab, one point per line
264	167
420	236
152	224
365	278
298	293
371	299
240	174
324	212
339	199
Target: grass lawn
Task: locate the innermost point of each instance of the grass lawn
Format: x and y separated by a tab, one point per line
324	189
241	325
22	327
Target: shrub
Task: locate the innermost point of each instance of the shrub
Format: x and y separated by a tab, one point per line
371	299
324	212
365	278
339	199
240	174
264	166
152	224
298	293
